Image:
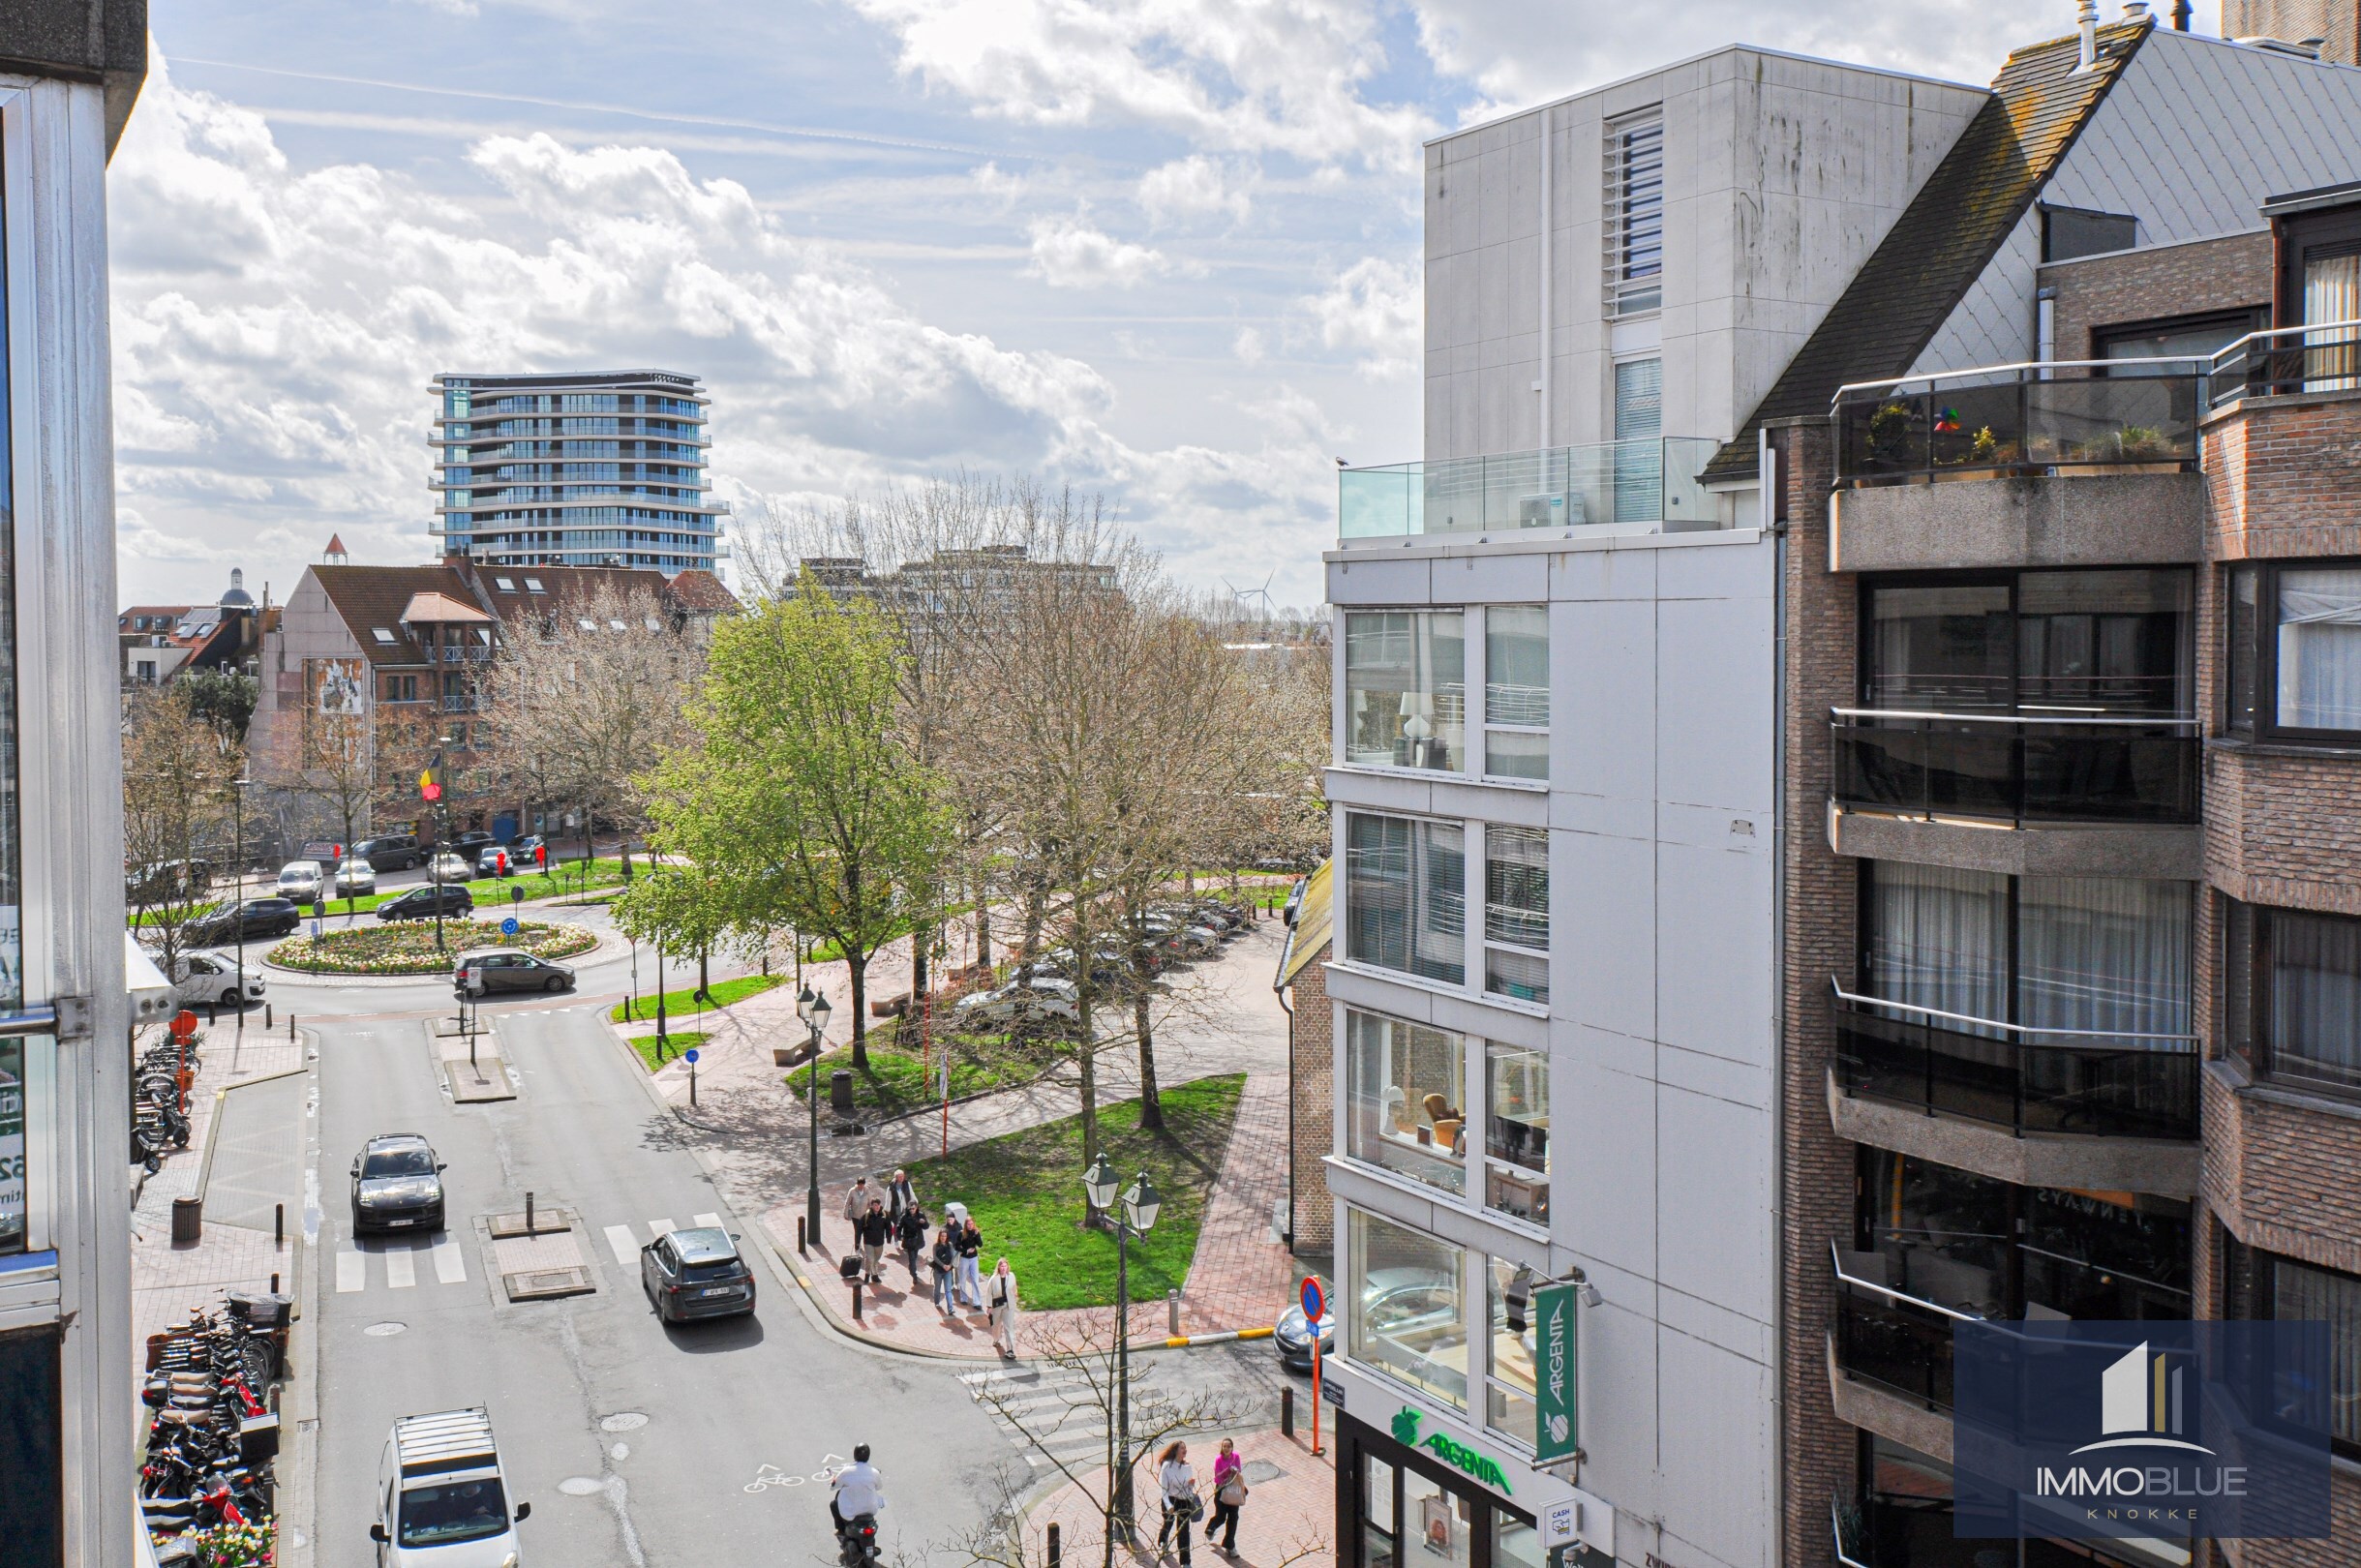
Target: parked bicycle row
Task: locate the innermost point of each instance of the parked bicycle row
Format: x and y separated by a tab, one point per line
214	1434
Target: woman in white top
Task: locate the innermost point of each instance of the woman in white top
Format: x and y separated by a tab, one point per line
1178	1484
1000	1299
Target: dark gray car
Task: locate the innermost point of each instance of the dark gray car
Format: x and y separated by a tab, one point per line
488	971
397	1184
696	1273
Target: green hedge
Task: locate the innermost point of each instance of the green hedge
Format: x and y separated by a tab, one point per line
407	947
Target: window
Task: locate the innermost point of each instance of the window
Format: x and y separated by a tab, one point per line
2279	1289
1405	691
2175	341
1517	913
1516	691
2111	642
1634	228
506	584
2292	993
1509	1397
1405	1087
1517	1131
2293	669
1639	454
1405	899
2070	231
532	585
384	638
1407	1314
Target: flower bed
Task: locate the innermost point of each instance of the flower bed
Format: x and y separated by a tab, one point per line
407	947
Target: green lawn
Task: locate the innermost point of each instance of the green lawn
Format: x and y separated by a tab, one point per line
674	1042
1025	1193
685	1004
897	1080
567	878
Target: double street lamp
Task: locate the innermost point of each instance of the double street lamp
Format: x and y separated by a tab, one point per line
1136	1216
813	1010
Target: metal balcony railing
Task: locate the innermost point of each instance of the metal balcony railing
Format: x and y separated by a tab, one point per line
1892	1340
2018	769
2286	361
2103	1083
1652	482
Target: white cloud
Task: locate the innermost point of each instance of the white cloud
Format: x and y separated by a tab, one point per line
1376	308
996	183
1071	252
1237	75
1247	345
1195	187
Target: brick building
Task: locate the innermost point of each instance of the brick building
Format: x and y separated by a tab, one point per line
1302	985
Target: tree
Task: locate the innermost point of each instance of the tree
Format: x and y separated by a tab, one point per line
223	698
330	757
799	797
178	768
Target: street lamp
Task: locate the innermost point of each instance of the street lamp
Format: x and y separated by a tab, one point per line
237	907
1136	1216
813	1011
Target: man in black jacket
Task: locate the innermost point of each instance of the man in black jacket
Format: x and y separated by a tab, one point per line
910	1229
874	1230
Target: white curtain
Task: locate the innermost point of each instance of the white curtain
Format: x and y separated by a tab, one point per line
2315	996
2320	649
1939	938
2332	293
2105	953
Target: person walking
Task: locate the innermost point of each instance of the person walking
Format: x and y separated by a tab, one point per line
856	1204
875	1231
1177	1483
944	1261
970	1245
901	1195
1228	1497
1000	1300
910	1229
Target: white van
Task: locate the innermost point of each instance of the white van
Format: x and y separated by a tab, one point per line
300	881
199	978
441	1499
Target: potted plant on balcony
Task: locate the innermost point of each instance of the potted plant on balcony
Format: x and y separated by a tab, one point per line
1889	435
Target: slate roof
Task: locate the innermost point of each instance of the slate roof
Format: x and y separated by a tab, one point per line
368	597
1952	230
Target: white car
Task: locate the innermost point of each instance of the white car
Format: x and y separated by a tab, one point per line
355	878
300	881
1028	1002
198	978
446	866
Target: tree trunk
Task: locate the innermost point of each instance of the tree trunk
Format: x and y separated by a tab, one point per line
1090	1072
1030	947
1151	1108
978	887
859	966
920	940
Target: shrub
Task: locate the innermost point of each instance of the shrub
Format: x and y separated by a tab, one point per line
407	948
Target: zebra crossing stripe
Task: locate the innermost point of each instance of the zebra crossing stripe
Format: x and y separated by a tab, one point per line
708	1222
450	1263
351	1272
401	1268
622	1243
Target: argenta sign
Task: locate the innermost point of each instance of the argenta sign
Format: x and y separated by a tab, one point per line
1452	1452
2156	1431
1556	1430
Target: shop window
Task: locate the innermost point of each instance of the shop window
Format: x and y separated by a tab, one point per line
1517	1131
1441	1519
12	1146
1407	1314
1510	1393
1405	1084
1406	688
1379	1539
1515	1543
2292	993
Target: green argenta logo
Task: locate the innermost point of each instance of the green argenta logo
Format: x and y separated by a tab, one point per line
1459	1456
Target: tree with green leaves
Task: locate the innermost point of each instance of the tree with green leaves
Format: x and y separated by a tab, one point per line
800	801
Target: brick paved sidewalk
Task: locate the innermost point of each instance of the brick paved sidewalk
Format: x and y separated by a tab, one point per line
1289	1520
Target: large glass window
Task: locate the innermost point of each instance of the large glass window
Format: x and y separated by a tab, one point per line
1379	1535
1409	1316
2292	993
1443	1520
1406	897
1405	1083
1516	691
2282	1291
1510	1398
1517	913
1406	688
1517	1131
2056	643
2293	663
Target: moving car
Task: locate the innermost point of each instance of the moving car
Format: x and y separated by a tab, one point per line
1293	1338
418	903
355	878
696	1273
256	919
397	1184
492	861
300	881
448	866
390	851
488	970
198	978
442	1501
1036	1001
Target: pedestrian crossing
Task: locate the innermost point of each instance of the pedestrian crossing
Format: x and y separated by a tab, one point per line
1052	1414
395	1262
625	1243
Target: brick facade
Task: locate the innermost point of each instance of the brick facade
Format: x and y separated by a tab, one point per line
1312	1111
2284	474
2197	279
2337	24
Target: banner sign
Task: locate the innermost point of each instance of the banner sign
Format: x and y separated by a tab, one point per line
1556	1423
2157	1431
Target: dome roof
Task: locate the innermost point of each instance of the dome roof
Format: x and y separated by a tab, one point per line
237	598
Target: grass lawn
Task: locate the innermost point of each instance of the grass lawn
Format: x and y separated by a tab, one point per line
567	878
683	1004
675	1044
1026	1191
898	1080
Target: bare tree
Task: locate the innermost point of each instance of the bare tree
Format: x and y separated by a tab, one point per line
177	808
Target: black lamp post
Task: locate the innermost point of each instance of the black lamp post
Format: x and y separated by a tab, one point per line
1136	1216
813	1011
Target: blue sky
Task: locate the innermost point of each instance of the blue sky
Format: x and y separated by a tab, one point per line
1162	250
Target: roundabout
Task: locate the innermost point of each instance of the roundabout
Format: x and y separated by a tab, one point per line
408	948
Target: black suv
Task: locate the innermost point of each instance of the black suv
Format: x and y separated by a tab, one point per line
468	845
418	903
397	1184
255	920
394	851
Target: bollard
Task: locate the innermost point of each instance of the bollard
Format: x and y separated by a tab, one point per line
528	1214
1286	1413
1054	1544
291	1026
266	1018
472	1051
802	1242
278	1228
274	1285
856	1298
1172	1312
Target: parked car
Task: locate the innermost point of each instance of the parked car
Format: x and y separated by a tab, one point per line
521	849
442	1501
255	920
448	865
494	860
1293	1337
397	1184
418	903
486	969
1169	936
355	878
300	881
1025	1002
199	978
471	843
696	1273
390	851
167	879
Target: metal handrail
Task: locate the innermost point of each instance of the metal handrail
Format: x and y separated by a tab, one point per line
2187	724
2213	362
1899	1296
1843	995
1844	1559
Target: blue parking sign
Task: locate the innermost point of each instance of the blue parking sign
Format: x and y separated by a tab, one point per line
508	927
690	1055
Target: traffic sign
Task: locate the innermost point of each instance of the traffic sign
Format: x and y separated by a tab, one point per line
1315	1304
508	927
690	1056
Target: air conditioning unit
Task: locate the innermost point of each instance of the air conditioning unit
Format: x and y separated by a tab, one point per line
1540	511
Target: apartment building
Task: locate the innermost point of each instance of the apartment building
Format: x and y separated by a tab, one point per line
1791	844
595	469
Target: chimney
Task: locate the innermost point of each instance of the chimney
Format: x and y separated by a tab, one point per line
2180	15
2135	11
2088	22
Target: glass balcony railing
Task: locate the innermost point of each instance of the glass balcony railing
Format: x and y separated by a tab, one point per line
2026	1079
2020	420
1652	482
1893	1340
2022	769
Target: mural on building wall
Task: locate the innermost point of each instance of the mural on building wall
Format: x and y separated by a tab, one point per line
337	686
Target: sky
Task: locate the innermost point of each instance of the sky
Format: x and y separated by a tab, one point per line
1164	252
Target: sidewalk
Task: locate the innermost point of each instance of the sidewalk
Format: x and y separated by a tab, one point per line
1289	1495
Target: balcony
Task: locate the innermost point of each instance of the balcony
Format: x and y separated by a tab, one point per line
2015	770
463	705
1644	484
2294	361
1897	1342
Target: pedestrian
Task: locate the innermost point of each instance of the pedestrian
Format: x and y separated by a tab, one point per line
901	1195
910	1229
970	1245
875	1231
1003	1305
1228	1497
1178	1485
857	1202
944	1261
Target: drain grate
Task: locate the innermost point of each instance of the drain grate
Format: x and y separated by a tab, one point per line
542	1284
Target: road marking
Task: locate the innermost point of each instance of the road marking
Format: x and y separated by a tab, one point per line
401	1268
622	1243
708	1222
351	1271
663	1226
450	1263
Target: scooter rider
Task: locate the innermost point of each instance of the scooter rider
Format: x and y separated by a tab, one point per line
857	1490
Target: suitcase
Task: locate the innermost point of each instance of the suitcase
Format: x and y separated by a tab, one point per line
849	1267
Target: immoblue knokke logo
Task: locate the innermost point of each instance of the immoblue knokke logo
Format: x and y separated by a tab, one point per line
2144	1398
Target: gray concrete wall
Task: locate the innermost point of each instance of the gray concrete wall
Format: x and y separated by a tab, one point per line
2174	853
2036	1159
2101	519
